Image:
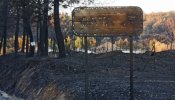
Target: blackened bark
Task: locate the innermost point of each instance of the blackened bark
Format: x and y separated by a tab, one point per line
27	28
27	46
59	36
54	46
45	28
1	44
5	26
40	44
17	31
41	34
37	36
51	44
29	32
24	32
23	38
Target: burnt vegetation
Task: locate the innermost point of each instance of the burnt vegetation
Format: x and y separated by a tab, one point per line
42	59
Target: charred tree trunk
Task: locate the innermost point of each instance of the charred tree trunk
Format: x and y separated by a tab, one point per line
1	42
51	44
59	36
40	44
17	31
54	46
41	31
5	26
27	27
24	31
37	37
23	38
29	32
27	46
44	36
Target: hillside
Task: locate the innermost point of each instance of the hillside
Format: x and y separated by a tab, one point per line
63	79
159	25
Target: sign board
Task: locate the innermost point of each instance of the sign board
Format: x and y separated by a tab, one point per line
107	21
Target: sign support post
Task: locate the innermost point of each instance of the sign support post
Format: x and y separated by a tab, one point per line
112	40
86	67
131	68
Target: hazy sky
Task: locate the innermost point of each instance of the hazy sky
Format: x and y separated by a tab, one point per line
147	6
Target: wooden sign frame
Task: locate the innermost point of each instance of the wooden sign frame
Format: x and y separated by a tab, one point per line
107	21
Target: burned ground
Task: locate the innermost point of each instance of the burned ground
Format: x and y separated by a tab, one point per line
64	79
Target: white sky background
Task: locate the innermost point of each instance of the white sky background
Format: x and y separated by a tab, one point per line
147	6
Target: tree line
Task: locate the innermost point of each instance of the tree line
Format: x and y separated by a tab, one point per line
23	13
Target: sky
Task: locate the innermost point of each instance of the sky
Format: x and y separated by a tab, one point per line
147	6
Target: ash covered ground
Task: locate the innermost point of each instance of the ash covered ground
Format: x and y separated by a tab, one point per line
48	78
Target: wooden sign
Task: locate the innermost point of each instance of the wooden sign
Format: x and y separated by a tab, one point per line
107	21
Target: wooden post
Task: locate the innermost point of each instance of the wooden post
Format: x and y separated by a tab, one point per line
131	68
86	68
171	44
27	45
112	40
